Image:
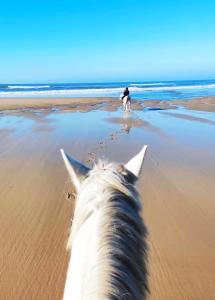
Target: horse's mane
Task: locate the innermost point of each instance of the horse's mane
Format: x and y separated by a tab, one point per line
122	248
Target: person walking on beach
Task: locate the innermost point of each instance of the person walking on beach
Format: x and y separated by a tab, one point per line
126	99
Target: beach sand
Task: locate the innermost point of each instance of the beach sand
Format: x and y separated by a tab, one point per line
107	103
176	186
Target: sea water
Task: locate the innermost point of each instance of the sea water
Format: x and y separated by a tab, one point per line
153	90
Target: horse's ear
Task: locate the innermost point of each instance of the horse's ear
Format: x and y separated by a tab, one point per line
135	164
77	171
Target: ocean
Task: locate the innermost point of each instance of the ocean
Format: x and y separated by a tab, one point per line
153	90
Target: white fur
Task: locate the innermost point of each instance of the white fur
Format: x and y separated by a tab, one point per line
83	259
126	103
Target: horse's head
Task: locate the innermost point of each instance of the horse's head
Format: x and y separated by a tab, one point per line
108	235
78	172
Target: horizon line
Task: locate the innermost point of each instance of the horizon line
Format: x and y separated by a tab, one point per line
91	82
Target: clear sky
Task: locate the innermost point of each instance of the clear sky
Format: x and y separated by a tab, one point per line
111	40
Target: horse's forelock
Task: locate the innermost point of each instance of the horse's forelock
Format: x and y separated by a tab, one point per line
113	176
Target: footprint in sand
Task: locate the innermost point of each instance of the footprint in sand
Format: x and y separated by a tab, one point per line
102	145
70	195
92	156
113	136
88	161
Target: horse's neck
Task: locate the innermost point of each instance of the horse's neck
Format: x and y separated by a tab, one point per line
87	205
103	218
82	276
82	273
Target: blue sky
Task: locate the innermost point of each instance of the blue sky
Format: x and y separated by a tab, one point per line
112	40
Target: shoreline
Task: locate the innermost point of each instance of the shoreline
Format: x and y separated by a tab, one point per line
107	103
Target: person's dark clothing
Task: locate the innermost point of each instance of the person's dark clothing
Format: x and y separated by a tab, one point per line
125	93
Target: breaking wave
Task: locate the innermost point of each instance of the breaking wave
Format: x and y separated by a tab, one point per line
28	86
96	91
140	90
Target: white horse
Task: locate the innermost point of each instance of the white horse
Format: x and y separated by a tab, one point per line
126	103
108	235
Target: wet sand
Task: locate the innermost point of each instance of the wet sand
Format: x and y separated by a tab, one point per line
177	189
86	104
